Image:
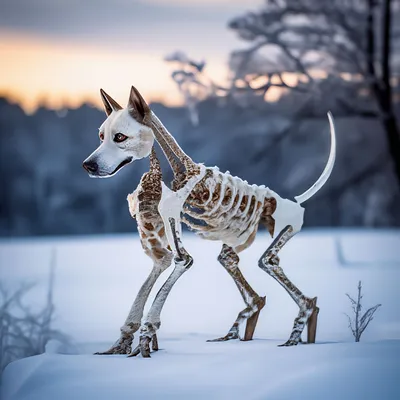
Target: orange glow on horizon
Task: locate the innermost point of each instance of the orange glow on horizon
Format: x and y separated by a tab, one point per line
37	71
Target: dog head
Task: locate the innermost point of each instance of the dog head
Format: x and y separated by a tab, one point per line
125	136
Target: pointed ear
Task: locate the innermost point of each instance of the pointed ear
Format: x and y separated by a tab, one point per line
110	104
137	106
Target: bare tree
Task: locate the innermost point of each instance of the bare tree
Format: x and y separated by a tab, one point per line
359	323
348	46
24	333
192	83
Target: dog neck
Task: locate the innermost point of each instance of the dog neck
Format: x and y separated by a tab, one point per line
168	142
177	158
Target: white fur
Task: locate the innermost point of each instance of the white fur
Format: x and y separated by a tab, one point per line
109	155
287	212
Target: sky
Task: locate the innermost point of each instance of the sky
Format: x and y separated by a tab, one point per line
60	52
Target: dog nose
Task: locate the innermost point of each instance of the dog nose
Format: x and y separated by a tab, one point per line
90	166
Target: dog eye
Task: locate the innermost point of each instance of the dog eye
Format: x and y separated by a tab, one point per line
101	136
119	137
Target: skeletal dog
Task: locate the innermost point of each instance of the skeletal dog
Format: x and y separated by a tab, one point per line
216	205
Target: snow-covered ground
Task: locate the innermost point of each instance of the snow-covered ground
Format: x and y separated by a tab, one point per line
98	277
189	368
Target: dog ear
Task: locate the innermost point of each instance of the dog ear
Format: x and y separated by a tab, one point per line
137	106
110	104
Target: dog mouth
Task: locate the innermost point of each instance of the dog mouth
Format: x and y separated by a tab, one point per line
99	173
122	164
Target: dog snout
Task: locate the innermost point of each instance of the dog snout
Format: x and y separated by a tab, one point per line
90	166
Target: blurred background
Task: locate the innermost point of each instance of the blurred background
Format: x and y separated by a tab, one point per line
245	85
242	85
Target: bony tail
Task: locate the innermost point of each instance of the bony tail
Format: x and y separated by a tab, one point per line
328	167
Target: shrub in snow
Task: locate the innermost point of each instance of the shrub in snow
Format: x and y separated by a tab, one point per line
25	333
359	323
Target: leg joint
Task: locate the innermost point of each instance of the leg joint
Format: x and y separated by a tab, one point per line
130	328
228	258
269	261
185	262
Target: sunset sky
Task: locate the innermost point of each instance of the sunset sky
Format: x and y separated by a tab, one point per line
62	51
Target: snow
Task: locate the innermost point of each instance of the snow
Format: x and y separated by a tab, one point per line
97	279
188	367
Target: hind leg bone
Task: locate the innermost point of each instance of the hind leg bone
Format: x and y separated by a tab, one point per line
229	259
269	262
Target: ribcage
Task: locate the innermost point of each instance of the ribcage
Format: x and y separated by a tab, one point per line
224	207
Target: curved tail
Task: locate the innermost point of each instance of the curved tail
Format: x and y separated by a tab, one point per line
328	168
